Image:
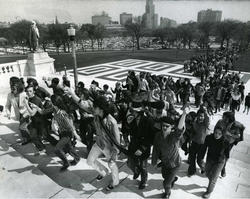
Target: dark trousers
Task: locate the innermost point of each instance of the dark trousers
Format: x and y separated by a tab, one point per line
64	146
235	104
168	175
198	100
36	133
185	99
195	154
213	169
139	166
23	127
218	105
87	132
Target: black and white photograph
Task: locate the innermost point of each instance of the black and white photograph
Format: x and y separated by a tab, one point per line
125	99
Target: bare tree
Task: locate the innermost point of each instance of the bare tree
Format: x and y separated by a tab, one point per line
90	30
135	30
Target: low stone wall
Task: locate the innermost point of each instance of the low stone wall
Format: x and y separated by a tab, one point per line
37	65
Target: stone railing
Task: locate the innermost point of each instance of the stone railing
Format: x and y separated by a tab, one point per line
8	70
36	64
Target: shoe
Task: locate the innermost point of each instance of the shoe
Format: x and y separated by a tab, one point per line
190	174
74	162
223	174
99	177
110	187
25	142
142	185
206	195
166	195
136	175
43	151
64	167
37	153
175	179
159	165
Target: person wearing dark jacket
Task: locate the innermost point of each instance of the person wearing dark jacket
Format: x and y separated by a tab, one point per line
216	147
165	148
225	123
141	130
200	131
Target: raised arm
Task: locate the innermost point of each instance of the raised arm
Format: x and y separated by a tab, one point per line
181	124
81	103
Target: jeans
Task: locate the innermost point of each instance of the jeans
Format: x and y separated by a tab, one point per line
94	153
195	153
213	169
64	146
168	175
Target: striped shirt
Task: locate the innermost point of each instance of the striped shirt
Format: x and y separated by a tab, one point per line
65	123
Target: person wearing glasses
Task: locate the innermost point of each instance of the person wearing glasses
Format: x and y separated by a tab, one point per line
166	148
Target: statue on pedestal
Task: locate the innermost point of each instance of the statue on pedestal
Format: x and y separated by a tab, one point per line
33	36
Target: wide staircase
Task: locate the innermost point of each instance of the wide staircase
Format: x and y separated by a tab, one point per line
27	175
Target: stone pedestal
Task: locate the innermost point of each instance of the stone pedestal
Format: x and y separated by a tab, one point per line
39	64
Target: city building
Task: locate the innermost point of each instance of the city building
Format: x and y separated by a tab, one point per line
125	17
150	19
167	23
209	15
102	19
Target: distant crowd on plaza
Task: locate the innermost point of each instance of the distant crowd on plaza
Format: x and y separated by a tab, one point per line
143	116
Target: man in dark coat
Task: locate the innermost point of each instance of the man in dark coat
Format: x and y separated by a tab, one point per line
141	131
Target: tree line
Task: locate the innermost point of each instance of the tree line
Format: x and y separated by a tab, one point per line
185	35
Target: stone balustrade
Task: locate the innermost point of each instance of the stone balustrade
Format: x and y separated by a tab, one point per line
37	64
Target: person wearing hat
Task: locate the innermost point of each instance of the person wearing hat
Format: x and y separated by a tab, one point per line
107	136
141	132
165	148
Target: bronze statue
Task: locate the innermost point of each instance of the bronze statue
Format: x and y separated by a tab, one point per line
33	36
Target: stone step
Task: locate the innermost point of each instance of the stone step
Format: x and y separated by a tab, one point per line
24	178
78	181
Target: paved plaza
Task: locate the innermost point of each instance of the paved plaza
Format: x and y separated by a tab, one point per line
24	175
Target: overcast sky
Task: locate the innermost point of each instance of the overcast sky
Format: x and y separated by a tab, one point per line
80	11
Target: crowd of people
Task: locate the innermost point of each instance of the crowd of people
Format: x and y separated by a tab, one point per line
138	117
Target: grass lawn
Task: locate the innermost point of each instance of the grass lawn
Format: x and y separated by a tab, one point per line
98	57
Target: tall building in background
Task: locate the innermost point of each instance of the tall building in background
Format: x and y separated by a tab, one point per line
167	23
209	15
125	17
102	19
150	19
